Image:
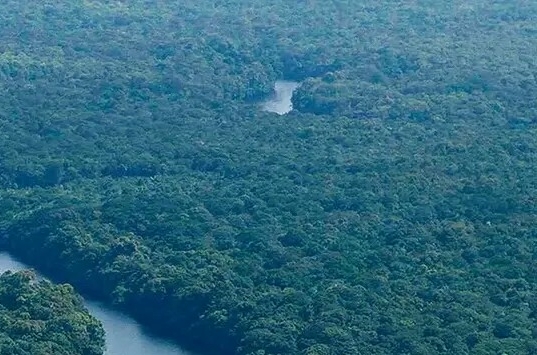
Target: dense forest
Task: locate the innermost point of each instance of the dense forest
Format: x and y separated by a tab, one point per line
39	318
392	212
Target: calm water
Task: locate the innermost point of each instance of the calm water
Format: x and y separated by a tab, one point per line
123	335
281	103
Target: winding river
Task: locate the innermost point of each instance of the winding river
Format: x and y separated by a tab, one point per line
123	334
281	103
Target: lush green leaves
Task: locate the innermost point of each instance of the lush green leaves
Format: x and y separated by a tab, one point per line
392	213
39	318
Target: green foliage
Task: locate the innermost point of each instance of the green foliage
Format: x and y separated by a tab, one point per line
39	318
393	212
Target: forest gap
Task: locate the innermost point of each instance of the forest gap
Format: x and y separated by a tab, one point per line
281	102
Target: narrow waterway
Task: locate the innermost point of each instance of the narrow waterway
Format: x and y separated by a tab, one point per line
281	102
123	334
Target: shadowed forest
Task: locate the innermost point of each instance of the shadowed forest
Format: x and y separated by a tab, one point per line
393	211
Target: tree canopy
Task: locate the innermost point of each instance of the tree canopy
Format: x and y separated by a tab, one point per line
39	318
392	212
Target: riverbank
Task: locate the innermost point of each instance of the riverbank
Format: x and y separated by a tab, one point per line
123	334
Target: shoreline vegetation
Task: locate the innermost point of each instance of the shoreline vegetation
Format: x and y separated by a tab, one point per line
391	212
39	318
122	335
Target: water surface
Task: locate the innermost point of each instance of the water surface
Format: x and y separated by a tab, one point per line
124	336
281	103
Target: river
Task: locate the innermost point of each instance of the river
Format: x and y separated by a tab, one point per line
280	102
123	334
